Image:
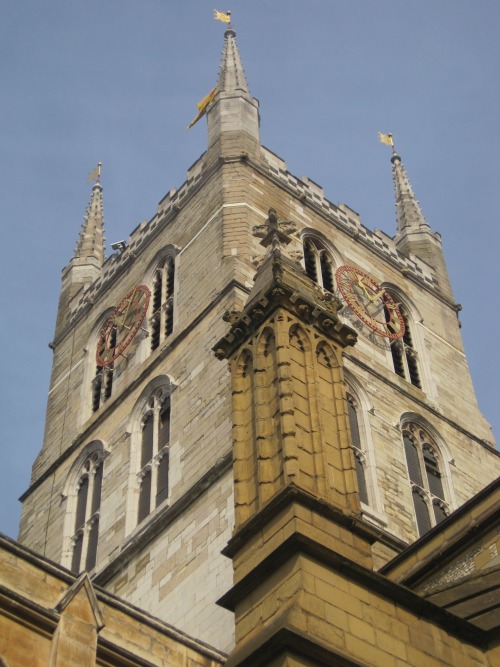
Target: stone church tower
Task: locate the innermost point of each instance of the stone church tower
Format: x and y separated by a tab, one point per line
256	384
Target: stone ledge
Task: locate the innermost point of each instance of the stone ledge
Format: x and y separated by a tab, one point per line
322	507
277	640
368	579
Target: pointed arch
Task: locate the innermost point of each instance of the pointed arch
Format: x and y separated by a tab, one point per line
82	493
364	449
428	472
161	277
299	338
320	259
408	355
150	441
98	382
326	355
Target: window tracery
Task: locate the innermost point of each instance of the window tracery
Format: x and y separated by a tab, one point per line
425	474
318	264
404	354
152	478
358	449
102	382
87	497
162	319
98	377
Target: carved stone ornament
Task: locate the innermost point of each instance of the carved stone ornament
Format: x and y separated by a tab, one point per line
231	316
281	284
274	230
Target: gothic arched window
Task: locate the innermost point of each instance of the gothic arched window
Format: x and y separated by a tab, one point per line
87	496
318	264
404	354
357	446
102	382
422	460
154	454
162	319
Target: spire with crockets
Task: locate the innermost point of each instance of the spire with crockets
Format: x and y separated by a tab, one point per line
414	237
87	261
90	246
408	211
233	117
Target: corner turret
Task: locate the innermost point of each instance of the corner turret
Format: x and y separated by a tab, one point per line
233	117
414	236
85	265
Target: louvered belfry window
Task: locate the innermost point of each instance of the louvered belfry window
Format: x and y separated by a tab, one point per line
162	319
88	504
154	455
422	460
359	455
318	264
404	354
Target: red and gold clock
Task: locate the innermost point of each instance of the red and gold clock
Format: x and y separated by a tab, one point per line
122	325
371	303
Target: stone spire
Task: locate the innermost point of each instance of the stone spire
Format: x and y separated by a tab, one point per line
231	76
90	246
408	212
414	237
233	117
87	261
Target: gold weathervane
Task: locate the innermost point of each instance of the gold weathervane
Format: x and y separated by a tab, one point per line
387	139
95	175
220	16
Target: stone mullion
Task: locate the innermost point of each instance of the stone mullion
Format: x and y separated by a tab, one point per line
154	459
317	261
86	522
289	452
163	301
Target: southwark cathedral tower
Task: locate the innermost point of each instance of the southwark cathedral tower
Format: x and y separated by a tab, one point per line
262	443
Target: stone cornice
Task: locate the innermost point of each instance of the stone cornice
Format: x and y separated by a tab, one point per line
293	494
32	614
277	639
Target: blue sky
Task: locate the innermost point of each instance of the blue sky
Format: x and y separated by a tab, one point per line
118	81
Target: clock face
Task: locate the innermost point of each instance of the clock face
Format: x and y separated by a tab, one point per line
122	325
371	303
